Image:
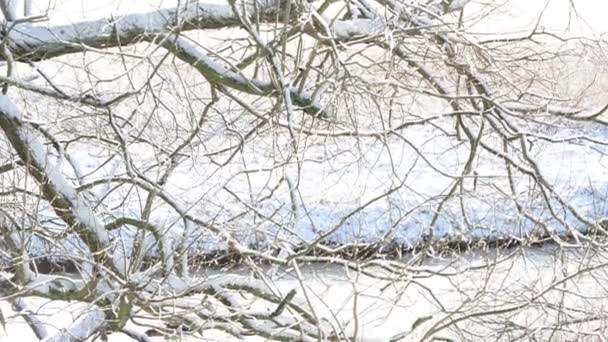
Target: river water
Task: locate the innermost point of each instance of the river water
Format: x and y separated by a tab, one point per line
544	293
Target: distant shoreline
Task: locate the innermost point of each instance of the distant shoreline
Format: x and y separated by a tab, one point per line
350	252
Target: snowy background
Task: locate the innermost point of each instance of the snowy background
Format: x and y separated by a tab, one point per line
342	182
361	189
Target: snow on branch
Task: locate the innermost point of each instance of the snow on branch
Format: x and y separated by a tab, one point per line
39	327
87	324
43	41
39	41
188	52
70	206
9	9
165	245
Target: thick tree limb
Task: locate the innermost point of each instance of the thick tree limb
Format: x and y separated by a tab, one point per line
65	201
183	49
40	41
35	42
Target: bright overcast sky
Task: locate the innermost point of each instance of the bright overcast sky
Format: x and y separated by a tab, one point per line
576	17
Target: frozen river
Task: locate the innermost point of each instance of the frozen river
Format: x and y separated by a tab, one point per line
543	293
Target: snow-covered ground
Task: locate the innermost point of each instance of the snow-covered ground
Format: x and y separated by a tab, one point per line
544	292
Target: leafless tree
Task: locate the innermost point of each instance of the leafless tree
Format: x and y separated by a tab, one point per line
144	152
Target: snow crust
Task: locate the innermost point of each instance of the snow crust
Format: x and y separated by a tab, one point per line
8	107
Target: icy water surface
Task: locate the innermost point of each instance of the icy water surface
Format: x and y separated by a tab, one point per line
543	293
